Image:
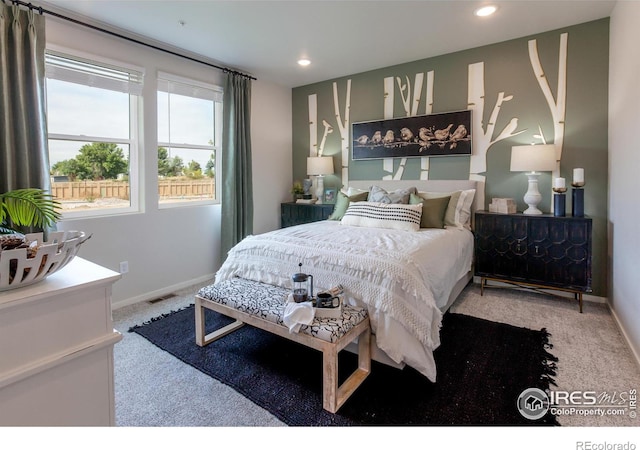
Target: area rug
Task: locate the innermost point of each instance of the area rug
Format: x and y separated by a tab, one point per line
483	367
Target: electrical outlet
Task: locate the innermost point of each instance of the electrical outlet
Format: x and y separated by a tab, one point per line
124	267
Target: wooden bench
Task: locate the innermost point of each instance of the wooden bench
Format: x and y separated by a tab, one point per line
262	306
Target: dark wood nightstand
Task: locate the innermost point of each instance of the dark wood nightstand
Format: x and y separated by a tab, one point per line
534	251
297	213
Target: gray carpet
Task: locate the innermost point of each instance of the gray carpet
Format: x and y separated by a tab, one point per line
155	389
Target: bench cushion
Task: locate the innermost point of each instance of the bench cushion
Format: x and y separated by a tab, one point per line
267	302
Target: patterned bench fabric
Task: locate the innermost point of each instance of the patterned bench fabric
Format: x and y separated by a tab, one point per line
268	302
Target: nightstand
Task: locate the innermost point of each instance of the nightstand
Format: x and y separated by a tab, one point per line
297	213
534	251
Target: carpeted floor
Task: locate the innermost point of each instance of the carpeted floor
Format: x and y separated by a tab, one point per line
482	368
153	388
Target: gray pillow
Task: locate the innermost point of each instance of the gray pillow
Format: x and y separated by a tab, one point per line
377	194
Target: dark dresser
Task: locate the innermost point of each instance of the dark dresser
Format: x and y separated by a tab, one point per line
535	251
297	213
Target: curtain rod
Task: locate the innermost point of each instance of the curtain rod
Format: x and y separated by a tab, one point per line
41	10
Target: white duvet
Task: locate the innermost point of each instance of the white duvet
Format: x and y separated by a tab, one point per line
403	278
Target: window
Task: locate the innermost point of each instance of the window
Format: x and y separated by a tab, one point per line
92	111
189	136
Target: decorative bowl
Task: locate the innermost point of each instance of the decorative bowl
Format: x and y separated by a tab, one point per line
36	259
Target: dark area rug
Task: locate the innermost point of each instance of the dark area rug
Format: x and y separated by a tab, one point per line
483	367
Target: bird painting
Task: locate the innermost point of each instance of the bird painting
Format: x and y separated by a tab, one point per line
424	136
406	134
389	137
458	134
362	140
442	135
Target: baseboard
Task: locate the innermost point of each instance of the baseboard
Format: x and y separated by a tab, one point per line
161	292
634	351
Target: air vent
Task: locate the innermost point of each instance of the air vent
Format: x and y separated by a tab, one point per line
164	297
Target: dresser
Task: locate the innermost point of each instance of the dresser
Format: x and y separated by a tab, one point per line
56	349
536	251
297	213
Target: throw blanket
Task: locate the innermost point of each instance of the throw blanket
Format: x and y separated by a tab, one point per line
396	275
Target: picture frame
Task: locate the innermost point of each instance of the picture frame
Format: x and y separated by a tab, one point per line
445	134
330	195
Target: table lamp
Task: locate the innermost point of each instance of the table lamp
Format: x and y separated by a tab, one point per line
319	166
533	159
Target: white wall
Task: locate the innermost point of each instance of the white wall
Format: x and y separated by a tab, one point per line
271	142
624	163
172	248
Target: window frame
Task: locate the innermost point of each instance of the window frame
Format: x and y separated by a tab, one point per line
218	102
135	124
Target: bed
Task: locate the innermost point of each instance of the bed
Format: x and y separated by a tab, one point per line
405	279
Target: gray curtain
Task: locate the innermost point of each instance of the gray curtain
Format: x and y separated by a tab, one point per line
24	153
237	186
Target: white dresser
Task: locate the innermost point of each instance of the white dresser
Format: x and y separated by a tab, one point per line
56	349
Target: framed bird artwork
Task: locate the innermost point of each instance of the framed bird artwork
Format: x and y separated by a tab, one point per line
444	134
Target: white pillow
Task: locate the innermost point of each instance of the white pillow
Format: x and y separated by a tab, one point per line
353	191
463	208
393	216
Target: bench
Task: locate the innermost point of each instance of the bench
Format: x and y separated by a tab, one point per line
262	306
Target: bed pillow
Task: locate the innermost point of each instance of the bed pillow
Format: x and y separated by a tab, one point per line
458	212
379	195
342	203
353	191
463	208
394	216
433	210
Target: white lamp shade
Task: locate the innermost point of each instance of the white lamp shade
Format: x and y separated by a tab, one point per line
319	165
533	158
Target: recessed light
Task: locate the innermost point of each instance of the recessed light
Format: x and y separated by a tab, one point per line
485	11
304	62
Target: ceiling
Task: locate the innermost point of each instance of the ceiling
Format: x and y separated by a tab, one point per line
265	38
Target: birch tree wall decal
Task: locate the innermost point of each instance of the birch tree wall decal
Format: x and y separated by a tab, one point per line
314	148
558	105
343	127
483	137
313	124
411	104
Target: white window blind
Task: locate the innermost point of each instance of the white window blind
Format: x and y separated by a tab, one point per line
80	71
173	84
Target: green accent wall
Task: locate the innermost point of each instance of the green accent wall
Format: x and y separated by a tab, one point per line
508	70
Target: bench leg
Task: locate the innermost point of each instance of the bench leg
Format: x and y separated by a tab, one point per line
333	396
203	340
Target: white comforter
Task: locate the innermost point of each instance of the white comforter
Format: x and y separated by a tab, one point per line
403	278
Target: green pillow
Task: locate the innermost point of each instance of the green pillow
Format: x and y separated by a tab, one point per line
450	214
433	210
342	203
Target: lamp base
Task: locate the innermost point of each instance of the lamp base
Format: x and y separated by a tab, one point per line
319	189
533	196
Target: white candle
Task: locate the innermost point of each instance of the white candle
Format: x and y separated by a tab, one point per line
578	175
559	183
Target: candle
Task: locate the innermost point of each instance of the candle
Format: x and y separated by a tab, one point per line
559	183
578	176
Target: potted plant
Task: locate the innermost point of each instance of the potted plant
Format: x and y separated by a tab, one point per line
297	190
29	258
31	208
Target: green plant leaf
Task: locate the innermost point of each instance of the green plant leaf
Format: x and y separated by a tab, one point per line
28	207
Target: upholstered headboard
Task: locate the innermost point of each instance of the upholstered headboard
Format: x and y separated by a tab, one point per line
422	186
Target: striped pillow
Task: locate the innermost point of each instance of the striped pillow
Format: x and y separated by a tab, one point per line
394	216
